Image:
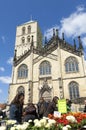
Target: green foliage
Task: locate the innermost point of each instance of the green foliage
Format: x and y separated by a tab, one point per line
83	122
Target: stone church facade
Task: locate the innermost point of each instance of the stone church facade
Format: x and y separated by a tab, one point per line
55	69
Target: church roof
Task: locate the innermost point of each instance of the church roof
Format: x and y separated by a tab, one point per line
29	22
49	47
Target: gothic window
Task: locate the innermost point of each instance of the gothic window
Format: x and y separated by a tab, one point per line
73	90
29	29
23	30
28	39
20	89
71	65
45	68
23	71
23	40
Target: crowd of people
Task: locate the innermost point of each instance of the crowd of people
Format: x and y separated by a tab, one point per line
30	112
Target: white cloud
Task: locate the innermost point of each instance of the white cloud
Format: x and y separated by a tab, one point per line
80	8
0	91
10	60
49	32
84	41
72	26
75	24
5	79
2	69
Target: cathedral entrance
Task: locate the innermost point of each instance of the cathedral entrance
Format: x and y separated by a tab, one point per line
47	96
45	92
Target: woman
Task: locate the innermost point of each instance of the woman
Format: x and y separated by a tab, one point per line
16	107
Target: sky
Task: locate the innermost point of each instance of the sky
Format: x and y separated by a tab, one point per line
68	16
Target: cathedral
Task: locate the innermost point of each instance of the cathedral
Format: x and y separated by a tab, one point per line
55	68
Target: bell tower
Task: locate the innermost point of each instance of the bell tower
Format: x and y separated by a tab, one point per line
24	35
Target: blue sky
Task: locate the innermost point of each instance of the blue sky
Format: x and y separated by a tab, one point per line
69	16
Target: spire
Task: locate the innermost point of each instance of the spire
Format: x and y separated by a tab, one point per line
32	41
53	32
63	36
57	32
74	44
31	19
15	58
31	47
80	43
45	40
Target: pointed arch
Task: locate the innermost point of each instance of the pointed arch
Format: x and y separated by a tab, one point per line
45	68
23	71
46	92
23	30
23	40
73	90
28	38
29	29
71	64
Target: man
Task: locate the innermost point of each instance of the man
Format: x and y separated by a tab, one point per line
42	106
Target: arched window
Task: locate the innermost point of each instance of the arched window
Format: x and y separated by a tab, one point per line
20	89
71	65
23	30
28	39
29	29
23	71
23	40
73	90
45	68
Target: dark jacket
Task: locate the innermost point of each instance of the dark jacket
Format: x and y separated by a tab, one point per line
42	106
30	113
16	113
85	108
51	108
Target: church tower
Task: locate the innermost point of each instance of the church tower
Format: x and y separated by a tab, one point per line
23	59
24	35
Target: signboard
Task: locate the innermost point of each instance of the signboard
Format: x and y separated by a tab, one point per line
57	114
62	107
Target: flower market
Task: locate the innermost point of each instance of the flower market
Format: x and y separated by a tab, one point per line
60	119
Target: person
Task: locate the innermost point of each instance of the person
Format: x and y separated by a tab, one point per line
68	104
84	106
52	106
16	108
30	113
1	112
41	106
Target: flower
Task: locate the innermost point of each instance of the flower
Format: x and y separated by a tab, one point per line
66	127
2	127
43	122
11	122
52	121
37	124
13	128
71	118
68	121
23	126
